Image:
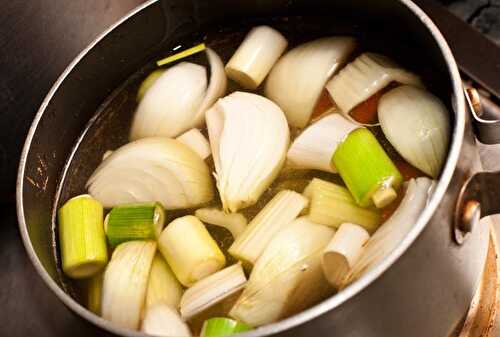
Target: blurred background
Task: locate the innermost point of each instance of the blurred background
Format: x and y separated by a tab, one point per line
38	39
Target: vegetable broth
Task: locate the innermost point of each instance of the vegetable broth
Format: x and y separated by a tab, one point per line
109	129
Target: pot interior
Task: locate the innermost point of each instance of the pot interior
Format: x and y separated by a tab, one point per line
90	110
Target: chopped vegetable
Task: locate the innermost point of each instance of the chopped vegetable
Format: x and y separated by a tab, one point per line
276	215
324	106
255	56
366	169
183	54
149	170
298	78
314	147
363	78
249	137
94	293
178	99
196	142
81	235
287	277
190	250
163	287
332	205
148	83
222	326
164	321
134	222
390	234
125	283
408	110
343	252
212	290
233	222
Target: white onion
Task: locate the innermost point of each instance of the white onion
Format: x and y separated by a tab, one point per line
255	56
233	222
196	142
249	137
417	124
364	77
315	146
163	320
297	79
393	231
152	169
178	99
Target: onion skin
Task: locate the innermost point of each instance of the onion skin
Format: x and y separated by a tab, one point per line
417	124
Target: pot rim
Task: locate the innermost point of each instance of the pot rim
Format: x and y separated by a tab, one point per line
352	290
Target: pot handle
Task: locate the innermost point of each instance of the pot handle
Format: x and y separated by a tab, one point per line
479	194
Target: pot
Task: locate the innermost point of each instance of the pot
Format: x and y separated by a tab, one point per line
423	288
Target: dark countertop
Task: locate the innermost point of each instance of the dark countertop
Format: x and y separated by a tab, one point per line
38	39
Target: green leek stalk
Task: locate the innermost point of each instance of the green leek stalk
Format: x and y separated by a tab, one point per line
81	235
222	326
190	250
163	287
333	205
94	293
366	169
125	283
143	221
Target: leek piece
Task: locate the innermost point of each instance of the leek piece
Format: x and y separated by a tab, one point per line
81	235
287	277
148	83
190	250
222	326
366	169
196	142
212	290
125	283
332	205
94	293
183	54
233	222
255	56
163	287
134	222
343	252
277	214
163	320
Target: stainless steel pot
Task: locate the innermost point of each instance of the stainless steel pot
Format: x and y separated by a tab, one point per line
423	288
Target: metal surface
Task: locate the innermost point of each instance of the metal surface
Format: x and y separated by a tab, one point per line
405	282
486	117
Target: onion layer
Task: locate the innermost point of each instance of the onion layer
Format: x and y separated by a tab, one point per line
249	137
152	169
297	79
418	126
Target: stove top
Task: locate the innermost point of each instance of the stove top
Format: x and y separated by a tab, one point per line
38	39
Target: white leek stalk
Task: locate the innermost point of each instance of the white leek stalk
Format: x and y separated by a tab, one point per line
163	287
233	222
315	146
178	99
343	252
81	237
287	277
255	56
276	215
164	321
417	124
152	169
125	283
249	137
332	205
364	77
197	142
190	250
297	79
393	231
212	290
